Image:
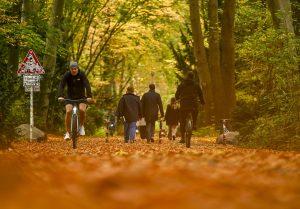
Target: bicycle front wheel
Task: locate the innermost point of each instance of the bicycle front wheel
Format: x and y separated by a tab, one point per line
74	128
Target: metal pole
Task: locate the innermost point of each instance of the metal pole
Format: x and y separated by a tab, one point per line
31	112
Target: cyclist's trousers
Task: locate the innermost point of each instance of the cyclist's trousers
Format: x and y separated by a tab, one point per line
183	116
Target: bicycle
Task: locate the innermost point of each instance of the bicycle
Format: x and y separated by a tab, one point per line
188	130
74	119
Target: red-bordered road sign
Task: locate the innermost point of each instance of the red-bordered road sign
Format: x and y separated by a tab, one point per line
30	65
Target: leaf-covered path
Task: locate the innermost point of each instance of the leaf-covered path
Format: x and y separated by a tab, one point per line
140	175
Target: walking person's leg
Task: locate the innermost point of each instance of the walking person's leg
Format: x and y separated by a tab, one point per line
152	130
132	131
126	132
148	131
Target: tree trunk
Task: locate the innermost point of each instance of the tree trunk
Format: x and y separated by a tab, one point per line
13	58
201	60
49	61
281	14
214	59
227	57
26	9
296	16
13	54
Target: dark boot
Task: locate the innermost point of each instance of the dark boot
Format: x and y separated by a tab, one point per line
173	138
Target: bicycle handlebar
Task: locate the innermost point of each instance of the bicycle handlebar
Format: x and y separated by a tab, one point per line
74	100
225	120
77	100
182	99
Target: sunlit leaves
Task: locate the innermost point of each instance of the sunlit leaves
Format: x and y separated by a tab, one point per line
140	174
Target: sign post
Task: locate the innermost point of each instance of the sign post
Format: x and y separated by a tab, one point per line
31	70
31	113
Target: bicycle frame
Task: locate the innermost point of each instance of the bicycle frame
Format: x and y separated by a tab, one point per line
188	129
75	123
75	120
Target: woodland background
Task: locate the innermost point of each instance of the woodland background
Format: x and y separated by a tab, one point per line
245	54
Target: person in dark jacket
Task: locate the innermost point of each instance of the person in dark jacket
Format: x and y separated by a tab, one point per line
151	104
188	92
78	87
172	118
129	107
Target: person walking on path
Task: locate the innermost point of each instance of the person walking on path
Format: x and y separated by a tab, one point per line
172	118
129	107
151	104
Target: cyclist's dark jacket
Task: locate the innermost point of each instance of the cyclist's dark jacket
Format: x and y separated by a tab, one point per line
130	107
76	86
188	92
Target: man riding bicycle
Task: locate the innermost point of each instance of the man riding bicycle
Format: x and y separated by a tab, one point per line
188	93
78	87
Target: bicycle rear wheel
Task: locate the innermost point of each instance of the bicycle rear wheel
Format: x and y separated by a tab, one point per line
188	131
74	131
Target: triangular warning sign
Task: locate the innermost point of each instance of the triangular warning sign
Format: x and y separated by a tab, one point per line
30	65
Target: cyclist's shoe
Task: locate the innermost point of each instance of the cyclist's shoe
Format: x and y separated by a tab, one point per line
81	131
67	136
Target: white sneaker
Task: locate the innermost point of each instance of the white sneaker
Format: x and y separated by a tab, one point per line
67	136
81	131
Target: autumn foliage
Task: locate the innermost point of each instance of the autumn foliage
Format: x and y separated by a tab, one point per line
140	175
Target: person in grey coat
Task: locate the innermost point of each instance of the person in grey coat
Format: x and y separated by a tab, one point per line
151	104
129	107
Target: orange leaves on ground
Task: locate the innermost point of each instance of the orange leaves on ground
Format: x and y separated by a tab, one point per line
140	175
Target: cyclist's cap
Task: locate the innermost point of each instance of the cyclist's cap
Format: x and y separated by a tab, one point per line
73	64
